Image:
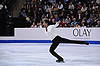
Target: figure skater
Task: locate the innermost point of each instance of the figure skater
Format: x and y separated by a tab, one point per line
56	40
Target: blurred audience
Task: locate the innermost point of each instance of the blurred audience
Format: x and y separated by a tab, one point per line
70	13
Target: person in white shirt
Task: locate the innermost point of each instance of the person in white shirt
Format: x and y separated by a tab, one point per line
56	40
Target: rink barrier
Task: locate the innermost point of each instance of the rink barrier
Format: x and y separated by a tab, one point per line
38	35
38	41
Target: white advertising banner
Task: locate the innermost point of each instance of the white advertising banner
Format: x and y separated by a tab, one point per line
87	34
70	33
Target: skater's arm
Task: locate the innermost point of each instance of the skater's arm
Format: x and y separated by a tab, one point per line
51	27
56	25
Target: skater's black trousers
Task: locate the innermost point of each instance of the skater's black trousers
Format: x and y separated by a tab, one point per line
57	40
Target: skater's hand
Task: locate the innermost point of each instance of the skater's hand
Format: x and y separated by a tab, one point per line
58	22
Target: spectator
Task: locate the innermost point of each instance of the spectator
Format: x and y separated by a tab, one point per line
94	7
52	1
57	18
84	8
86	14
55	8
74	23
60	6
68	21
33	25
79	6
66	1
98	2
63	23
44	18
52	19
39	25
83	23
98	23
71	6
91	23
23	12
49	10
1	6
79	15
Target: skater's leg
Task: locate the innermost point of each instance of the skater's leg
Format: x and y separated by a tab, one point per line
63	40
52	51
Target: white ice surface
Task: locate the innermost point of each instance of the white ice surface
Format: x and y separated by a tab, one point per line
28	54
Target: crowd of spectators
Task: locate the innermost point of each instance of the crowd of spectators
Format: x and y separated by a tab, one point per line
70	13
